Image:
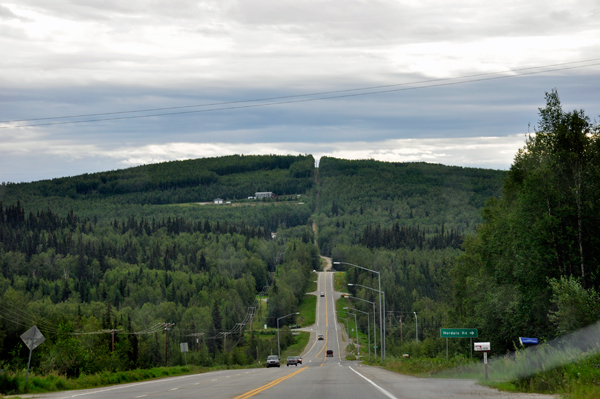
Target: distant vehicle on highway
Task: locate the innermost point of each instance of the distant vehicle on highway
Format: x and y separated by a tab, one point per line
299	359
273	361
322	294
292	360
329	353
320	337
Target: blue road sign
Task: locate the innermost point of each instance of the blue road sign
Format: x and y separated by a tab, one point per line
528	341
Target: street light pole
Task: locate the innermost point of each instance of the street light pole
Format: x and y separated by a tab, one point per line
278	346
381	321
374	331
368	327
381	329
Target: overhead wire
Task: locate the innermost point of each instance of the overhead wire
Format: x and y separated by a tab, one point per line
372	90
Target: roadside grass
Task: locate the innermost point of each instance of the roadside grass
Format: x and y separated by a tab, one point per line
14	382
295	349
308	310
340	304
339	282
312	284
577	380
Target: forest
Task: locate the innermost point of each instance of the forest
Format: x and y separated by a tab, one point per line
133	253
152	276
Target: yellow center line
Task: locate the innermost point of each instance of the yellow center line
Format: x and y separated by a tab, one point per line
269	385
324	343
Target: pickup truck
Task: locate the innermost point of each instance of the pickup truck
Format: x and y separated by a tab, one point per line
273	361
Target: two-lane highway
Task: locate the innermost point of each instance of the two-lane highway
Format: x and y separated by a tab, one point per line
319	377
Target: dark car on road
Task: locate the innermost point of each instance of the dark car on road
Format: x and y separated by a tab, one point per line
320	337
292	360
299	359
273	361
329	353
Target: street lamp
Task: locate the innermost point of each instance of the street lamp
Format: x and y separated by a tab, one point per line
381	310
368	327
381	330
417	326
374	331
278	347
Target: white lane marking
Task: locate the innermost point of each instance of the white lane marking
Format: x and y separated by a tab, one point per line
383	391
197	383
136	384
141	396
174	389
214	379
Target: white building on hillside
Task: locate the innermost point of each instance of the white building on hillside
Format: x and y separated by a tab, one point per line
264	194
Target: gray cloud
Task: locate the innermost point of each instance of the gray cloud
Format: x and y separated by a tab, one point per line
70	57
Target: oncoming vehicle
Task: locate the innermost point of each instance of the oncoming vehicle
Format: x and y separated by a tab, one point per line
273	361
322	294
292	360
299	359
329	353
320	337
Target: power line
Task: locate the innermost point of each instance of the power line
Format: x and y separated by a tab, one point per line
374	90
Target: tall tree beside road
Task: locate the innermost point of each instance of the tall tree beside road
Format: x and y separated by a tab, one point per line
544	227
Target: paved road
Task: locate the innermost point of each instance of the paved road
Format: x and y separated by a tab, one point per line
319	377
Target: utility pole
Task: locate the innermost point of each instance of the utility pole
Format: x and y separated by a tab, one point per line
166	327
112	333
400	329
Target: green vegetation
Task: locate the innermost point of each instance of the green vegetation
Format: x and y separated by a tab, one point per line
13	383
297	347
510	253
308	310
532	268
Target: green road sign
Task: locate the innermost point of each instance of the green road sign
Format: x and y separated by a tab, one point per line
458	332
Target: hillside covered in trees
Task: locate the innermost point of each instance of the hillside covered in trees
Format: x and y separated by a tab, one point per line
509	253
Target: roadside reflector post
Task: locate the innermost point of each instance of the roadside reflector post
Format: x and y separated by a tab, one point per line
485	348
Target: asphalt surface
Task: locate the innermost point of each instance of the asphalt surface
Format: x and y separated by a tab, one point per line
318	377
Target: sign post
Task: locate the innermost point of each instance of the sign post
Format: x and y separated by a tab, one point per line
484	347
458	333
184	349
32	338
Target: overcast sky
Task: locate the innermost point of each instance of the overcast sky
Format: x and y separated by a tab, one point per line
79	57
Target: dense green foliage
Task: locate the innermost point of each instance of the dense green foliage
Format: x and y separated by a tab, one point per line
407	221
75	277
510	253
533	267
229	177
